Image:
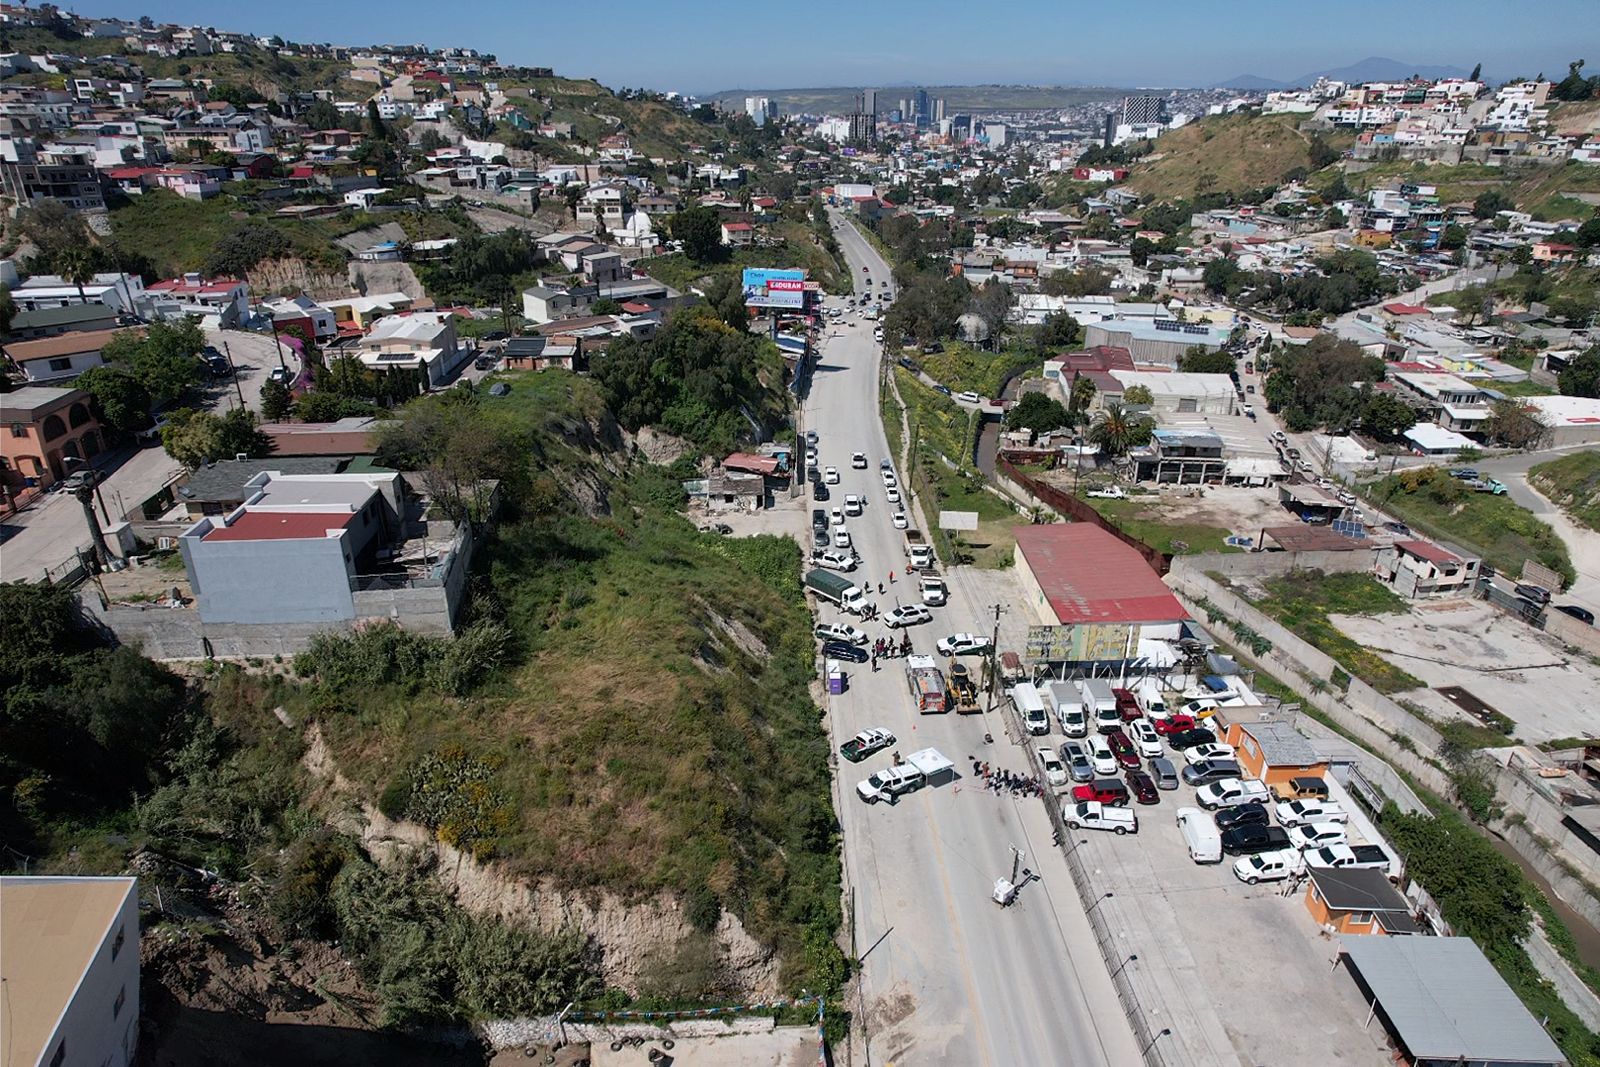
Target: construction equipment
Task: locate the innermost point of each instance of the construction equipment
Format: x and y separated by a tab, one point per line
963	688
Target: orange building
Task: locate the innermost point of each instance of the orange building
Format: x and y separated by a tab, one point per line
1273	751
40	429
1358	901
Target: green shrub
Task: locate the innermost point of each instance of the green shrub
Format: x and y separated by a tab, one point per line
299	898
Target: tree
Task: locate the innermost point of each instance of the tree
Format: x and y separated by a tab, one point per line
375	124
195	438
322	115
242	247
323	406
1200	360
1490	203
1311	384
164	360
1116	430
119	399
1093	281
700	230
8	309
1138	395
1515	424
1387	416
1080	396
1574	86
1038	412
77	265
1454	236
1588	235
275	400
1581	375
1477	69
1140	250
430	140
1058	330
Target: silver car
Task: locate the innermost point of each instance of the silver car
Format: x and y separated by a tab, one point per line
1077	761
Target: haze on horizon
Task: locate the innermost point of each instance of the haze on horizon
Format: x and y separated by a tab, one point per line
719	45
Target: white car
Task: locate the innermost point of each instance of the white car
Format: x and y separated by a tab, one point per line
1305	812
1145	738
852	505
891	494
889	480
840	631
837	561
836	516
858	460
1208	752
841	538
1101	756
1279	437
962	644
900	521
830	475
1317	835
908	615
969	397
811	457
1055	772
1199	709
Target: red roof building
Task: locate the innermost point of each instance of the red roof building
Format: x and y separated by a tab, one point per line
1398	308
282	526
1079	573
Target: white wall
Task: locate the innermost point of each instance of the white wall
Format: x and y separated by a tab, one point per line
97	1031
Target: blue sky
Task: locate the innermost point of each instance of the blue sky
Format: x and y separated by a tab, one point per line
717	44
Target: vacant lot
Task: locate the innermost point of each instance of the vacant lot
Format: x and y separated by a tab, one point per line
1183	521
1573	483
1304	600
962	368
1505	663
1501	531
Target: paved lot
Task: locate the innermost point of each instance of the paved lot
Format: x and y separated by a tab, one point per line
948	977
255	355
1239	974
1507	664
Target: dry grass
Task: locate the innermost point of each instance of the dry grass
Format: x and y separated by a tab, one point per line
1227	154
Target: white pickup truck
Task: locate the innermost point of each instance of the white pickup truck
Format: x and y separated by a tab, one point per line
934	592
1232	791
1093	815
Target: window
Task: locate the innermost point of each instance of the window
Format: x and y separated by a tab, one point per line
19	429
61	364
122	998
1361	918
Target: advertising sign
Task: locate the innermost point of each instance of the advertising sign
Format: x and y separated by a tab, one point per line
1081	643
768	288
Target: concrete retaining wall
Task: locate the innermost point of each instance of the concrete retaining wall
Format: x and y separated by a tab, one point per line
1574	632
1258	564
1572	990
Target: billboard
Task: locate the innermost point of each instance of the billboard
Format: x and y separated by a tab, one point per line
1080	643
768	288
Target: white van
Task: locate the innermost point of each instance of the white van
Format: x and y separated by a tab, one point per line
1200	834
1030	706
1149	694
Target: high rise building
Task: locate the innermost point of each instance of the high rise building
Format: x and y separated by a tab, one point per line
906	114
1136	109
896	115
759	108
938	109
919	109
863	121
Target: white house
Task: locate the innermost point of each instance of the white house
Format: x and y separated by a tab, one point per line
422	340
70	970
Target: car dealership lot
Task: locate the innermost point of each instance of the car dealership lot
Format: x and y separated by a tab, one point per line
1239	974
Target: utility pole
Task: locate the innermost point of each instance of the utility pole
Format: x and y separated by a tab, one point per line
233	371
84	491
994	660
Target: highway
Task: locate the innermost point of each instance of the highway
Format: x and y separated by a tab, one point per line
948	975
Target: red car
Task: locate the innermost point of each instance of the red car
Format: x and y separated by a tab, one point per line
1144	788
1104	790
1174	724
1127	705
1122	748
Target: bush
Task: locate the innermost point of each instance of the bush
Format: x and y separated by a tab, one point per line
299	900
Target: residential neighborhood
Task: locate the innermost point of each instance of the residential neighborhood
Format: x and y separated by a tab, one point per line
417	650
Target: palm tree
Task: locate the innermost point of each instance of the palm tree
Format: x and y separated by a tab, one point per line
77	267
1116	429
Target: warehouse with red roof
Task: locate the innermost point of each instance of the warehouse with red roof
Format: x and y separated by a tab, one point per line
1078	573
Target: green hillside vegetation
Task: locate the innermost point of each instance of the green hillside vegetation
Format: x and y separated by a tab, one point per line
797	249
265	72
1503	532
172	234
1573	483
962	368
1541	190
1225	154
655	129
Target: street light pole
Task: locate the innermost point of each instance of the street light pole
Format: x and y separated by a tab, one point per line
234	372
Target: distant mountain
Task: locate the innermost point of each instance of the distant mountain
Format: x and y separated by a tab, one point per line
1252	82
1371	69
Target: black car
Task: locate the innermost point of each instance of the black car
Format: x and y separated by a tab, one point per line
1189	738
1248	840
819	519
820	539
1581	614
216	364
841	650
1242	815
819	491
1398	527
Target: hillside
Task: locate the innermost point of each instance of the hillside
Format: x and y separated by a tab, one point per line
1229	153
655	128
1545	191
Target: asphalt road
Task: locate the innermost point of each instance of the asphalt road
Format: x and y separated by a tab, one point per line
948	976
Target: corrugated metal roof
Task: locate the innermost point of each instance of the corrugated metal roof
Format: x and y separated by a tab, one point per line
1445	1001
1088	575
1281	744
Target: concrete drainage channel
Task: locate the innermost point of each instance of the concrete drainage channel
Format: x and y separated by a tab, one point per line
1116	965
